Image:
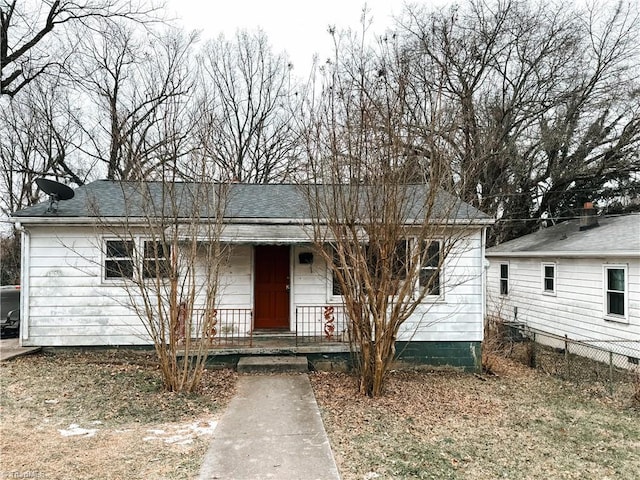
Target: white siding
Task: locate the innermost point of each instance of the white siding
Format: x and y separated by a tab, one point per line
69	304
576	309
457	316
236	287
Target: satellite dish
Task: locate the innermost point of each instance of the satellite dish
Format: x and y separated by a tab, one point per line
56	191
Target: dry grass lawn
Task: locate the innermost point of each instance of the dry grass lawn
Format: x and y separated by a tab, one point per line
520	424
102	415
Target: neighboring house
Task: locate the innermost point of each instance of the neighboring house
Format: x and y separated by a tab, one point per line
273	280
580	278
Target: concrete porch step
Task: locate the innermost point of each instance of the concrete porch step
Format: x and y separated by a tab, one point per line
272	364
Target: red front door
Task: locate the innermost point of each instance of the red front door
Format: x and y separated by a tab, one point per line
271	288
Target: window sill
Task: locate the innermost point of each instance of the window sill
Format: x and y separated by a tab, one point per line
622	320
549	294
116	281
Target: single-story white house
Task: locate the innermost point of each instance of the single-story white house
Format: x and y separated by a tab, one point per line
579	278
272	281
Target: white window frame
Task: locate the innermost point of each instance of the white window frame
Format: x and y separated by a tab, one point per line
164	259
137	259
440	269
605	293
412	243
106	258
544	266
333	298
506	279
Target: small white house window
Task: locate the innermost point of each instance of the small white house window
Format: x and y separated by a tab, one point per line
156	259
504	279
374	265
549	278
430	267
615	283
337	268
119	258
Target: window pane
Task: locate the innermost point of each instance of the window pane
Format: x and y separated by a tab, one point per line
504	287
399	266
431	258
155	250
119	269
430	278
156	263
548	284
615	279
119	248
336	290
156	268
504	271
615	303
336	286
549	271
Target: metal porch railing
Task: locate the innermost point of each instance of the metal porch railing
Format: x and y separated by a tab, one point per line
321	323
228	327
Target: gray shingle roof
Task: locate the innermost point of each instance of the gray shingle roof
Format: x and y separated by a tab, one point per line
111	199
613	235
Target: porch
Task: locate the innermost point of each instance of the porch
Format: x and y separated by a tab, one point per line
318	334
313	329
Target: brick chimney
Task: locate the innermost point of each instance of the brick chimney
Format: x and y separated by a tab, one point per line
588	219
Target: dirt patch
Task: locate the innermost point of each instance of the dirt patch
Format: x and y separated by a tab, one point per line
520	424
103	415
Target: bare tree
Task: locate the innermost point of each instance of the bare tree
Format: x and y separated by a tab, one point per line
168	254
385	236
250	103
542	101
37	135
135	80
33	34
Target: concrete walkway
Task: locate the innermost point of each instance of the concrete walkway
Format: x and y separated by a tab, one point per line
271	429
10	348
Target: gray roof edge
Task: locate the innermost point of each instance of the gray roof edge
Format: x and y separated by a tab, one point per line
563	254
615	235
78	211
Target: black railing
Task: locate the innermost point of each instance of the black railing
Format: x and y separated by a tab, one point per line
224	327
321	323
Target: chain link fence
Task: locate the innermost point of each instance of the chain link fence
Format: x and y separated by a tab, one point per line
606	366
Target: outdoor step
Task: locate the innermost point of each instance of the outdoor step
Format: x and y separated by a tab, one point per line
272	364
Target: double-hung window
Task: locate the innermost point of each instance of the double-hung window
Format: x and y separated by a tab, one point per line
430	266
379	268
123	258
549	278
338	269
504	279
156	260
615	283
119	259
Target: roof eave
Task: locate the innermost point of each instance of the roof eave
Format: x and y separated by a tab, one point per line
565	254
76	221
56	220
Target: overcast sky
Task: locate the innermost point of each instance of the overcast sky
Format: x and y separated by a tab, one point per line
297	26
